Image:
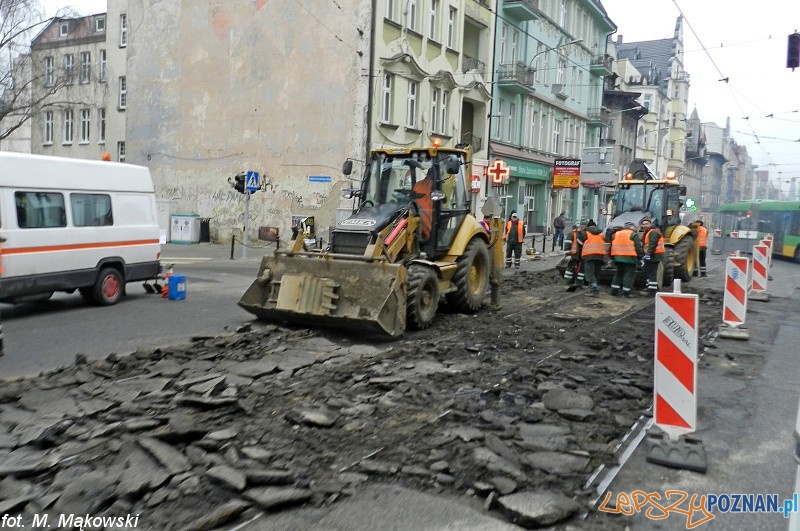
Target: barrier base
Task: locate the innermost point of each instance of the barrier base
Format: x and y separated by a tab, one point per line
734	333
761	296
686	453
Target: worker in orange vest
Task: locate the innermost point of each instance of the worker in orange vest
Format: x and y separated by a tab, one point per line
653	245
626	248
422	190
702	242
514	236
593	254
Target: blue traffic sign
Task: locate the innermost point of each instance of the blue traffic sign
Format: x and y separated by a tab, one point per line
251	181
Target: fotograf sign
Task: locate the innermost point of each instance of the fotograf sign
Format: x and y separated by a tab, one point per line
566	173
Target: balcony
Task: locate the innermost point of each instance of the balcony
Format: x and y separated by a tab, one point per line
516	77
469	139
470	63
595	116
522	9
601	65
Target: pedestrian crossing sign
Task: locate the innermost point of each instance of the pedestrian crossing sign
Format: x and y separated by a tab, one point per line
251	181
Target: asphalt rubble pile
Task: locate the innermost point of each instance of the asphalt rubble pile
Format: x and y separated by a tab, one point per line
514	413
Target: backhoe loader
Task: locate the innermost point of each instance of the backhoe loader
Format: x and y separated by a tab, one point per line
411	238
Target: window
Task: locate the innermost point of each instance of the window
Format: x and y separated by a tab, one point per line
48	127
532	139
514	44
100	24
503	37
390	9
703	199
647	101
386	99
101	125
85	117
512	118
63	29
68	118
69	68
443	111
86	66
435	110
91	210
49	70
123	30
121	151
411	15
411	105
433	21
123	93
451	28
556	147
499	115
103	70
562	13
40	210
562	65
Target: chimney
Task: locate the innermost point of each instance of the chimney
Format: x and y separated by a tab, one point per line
619	39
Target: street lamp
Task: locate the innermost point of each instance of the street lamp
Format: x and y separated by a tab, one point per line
548	49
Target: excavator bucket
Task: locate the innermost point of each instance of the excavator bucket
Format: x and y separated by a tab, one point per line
323	289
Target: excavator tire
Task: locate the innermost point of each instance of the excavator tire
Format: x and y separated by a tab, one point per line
669	269
471	278
684	258
422	299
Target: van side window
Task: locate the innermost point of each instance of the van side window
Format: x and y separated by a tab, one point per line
40	210
91	210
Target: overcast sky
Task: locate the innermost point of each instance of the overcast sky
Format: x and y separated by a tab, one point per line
745	43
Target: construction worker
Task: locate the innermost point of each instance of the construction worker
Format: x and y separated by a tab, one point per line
514	235
702	242
422	195
573	274
653	247
593	254
626	248
486	223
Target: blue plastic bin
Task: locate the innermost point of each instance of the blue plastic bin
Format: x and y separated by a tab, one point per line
177	288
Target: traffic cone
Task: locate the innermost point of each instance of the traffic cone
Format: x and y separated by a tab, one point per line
165	288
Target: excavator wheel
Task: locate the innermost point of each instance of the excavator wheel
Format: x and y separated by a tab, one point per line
471	278
668	276
423	297
683	254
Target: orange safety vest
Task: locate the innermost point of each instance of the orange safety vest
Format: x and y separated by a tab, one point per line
573	249
595	245
424	188
702	236
485	226
520	230
622	245
659	244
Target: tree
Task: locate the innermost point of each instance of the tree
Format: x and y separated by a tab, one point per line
20	21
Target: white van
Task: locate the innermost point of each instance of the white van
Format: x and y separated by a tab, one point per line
75	224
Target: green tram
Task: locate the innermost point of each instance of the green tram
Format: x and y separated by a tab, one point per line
779	218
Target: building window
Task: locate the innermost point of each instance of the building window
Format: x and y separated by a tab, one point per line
703	199
101	125
451	28
411	105
386	99
443	112
411	15
512	118
49	71
68	119
532	130
433	20
556	147
498	126
514	43
86	66
48	127
64	29
121	151
435	110
123	30
103	68
123	93
69	68
503	37
85	117
100	24
390	9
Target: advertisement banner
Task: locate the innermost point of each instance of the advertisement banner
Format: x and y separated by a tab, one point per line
566	173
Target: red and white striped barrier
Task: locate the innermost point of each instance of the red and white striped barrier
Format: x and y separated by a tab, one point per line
734	303
760	269
675	381
768	241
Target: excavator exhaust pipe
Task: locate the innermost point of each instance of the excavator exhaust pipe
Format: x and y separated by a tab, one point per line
324	289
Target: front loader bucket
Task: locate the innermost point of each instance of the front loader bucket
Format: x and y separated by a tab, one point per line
329	290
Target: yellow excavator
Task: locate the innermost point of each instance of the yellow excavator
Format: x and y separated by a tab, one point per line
411	238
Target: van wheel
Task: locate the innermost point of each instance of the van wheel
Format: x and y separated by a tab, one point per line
109	287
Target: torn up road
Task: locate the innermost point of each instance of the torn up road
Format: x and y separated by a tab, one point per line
505	414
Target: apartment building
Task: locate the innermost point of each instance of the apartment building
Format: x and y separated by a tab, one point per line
78	71
550	61
433	71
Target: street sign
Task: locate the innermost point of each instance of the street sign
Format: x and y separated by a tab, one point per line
251	181
476	184
319	178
